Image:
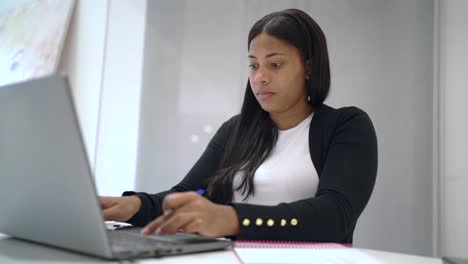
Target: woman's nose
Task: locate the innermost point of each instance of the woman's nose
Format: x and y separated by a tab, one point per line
261	77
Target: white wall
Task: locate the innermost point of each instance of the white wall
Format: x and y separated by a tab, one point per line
120	104
83	62
453	95
103	57
192	82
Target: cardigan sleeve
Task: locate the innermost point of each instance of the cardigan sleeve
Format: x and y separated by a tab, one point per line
346	182
196	178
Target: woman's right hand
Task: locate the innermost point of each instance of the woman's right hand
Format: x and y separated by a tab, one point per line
120	209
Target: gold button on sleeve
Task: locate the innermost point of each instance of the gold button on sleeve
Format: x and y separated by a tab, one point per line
259	222
283	222
246	222
270	222
294	222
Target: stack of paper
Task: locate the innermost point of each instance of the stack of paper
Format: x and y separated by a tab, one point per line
300	253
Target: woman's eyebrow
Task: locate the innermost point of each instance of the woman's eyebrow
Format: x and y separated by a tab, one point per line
269	55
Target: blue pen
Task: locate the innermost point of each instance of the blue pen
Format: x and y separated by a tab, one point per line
200	191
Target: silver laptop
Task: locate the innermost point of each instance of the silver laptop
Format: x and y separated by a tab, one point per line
47	193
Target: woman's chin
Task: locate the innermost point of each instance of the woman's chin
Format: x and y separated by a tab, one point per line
267	108
270	108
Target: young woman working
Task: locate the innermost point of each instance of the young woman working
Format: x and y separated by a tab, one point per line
288	167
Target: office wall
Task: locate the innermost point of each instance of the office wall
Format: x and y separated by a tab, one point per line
453	127
117	134
103	58
83	62
381	52
189	86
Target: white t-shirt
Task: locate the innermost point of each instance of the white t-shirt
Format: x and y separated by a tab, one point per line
288	174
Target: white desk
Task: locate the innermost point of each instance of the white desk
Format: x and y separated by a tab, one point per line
389	257
16	251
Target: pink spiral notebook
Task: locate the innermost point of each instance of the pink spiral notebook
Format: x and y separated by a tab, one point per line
274	252
288	244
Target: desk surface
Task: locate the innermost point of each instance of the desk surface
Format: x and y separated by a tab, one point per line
17	251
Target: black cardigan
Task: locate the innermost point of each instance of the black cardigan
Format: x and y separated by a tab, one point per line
343	149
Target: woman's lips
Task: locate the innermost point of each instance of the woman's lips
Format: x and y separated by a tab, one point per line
265	95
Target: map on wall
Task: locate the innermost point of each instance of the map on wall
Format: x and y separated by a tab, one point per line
31	37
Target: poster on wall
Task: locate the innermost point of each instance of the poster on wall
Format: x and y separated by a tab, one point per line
32	35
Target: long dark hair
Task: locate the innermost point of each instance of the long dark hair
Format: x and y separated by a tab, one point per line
254	134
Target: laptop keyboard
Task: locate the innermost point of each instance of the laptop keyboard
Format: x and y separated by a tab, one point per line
132	240
127	241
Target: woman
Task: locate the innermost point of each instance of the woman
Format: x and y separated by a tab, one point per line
288	167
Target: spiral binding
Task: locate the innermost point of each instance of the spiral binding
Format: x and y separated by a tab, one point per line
288	244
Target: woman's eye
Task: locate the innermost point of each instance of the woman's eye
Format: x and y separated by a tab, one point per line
276	65
253	66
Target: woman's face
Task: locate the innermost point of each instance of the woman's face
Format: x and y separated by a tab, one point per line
277	74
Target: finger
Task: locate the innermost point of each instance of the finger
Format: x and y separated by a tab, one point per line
180	200
176	222
107	202
193	226
177	200
151	228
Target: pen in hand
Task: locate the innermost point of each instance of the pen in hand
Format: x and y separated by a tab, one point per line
167	214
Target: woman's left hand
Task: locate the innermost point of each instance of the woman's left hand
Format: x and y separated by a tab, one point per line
192	213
